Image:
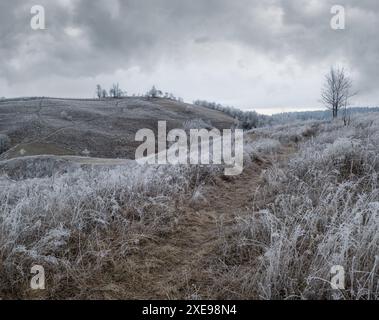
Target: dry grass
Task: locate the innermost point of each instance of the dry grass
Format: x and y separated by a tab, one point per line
82	226
187	232
319	210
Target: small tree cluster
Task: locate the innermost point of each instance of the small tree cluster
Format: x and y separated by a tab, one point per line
114	92
156	93
170	96
101	93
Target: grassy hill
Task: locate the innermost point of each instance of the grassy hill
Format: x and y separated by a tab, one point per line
104	128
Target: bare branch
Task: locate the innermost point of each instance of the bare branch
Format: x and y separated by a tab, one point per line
336	92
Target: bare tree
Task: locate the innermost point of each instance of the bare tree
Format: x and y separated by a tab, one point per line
154	93
116	92
113	92
104	94
337	90
99	91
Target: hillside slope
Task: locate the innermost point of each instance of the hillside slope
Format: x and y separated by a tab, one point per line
105	128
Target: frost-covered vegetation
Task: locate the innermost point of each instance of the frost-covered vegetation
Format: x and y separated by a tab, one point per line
319	210
261	146
246	119
4	143
287	133
287	117
90	227
197	124
82	225
251	119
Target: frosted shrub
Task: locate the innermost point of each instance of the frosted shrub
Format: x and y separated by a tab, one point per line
329	137
261	147
64	115
265	145
4	143
345	155
294	132
35	167
341	149
344	158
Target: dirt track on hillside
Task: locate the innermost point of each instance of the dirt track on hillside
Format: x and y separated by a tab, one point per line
176	265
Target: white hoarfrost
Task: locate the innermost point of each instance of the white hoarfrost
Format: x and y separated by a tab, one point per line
4	143
79	223
319	210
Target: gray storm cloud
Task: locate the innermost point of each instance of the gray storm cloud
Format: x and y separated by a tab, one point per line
90	38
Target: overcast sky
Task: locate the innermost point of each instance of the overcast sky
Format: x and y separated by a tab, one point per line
270	56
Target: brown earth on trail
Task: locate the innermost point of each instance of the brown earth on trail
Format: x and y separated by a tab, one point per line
176	265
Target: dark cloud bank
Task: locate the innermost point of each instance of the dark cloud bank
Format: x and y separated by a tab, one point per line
278	46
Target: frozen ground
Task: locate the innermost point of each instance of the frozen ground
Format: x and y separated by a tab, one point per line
109	228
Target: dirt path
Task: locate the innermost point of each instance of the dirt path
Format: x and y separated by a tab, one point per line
174	266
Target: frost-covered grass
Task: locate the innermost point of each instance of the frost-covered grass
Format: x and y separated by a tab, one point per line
291	132
83	225
261	146
4	143
197	124
319	210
